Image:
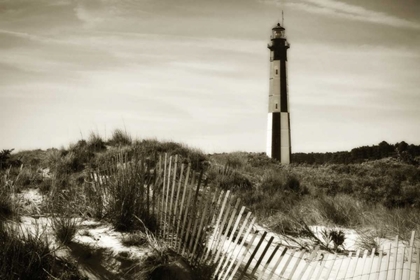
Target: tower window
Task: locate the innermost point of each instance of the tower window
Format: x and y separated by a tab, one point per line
277	71
276	105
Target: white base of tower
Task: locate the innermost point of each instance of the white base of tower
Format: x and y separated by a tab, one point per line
284	138
284	130
269	134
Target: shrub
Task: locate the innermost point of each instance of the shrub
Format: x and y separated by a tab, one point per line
120	138
65	229
339	210
368	240
227	179
96	143
5	158
337	237
6	207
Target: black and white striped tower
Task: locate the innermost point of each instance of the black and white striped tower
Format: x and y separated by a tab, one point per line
278	125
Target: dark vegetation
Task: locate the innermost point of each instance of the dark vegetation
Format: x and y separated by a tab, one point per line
374	189
383	194
63	176
407	153
28	256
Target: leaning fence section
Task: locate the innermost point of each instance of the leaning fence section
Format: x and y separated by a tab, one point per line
210	226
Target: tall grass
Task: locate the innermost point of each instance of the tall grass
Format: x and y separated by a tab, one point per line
25	255
65	228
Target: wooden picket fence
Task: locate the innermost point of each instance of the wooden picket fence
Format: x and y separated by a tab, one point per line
209	226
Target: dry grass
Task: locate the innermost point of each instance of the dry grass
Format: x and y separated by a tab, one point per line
65	228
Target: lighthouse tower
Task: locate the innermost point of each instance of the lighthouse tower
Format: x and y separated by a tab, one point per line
278	125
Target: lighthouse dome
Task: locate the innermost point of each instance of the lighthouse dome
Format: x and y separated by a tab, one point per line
278	32
278	27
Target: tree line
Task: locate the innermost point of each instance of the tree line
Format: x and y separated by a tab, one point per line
408	153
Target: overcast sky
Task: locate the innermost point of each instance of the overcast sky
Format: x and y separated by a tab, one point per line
196	71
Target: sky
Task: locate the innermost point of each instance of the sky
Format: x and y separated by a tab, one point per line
197	72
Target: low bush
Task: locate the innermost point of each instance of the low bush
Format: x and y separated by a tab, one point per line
65	228
120	138
340	210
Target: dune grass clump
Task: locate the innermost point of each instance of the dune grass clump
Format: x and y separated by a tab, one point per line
120	138
26	255
368	240
134	239
65	228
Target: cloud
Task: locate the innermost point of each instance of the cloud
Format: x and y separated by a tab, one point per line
343	10
352	12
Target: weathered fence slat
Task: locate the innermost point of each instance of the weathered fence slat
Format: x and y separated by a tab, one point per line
372	258
219	233
238	218
296	264
394	275
243	255
277	264
232	261
353	271
251	258
262	255
168	185
321	269
418	265
219	248
331	267
172	197
236	242
363	262
174	222
190	220
216	228
181	211
378	267
162	215
308	262
183	229
270	258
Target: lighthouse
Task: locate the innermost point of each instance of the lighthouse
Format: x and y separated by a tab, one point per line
278	124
